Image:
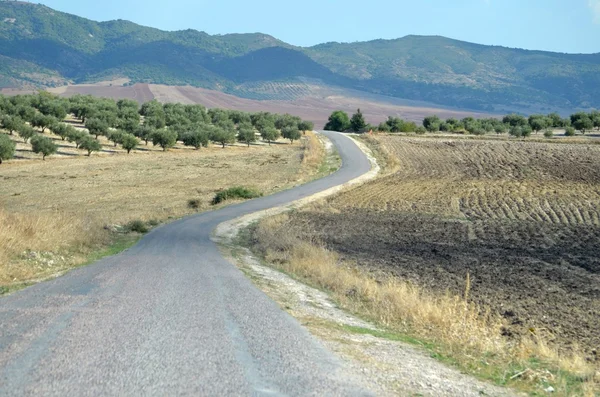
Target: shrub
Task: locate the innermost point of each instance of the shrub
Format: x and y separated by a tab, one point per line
569	131
43	145
238	192
7	148
194	204
548	133
420	130
137	226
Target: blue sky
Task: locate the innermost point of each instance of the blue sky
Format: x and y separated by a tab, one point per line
553	25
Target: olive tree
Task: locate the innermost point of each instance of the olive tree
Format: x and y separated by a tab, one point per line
26	132
7	148
196	138
246	133
11	123
291	132
129	142
43	122
223	135
90	145
96	127
166	139
306	126
270	134
43	145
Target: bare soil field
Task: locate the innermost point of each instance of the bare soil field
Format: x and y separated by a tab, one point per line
313	102
522	219
55	212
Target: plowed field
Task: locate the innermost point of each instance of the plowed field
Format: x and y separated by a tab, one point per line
522	218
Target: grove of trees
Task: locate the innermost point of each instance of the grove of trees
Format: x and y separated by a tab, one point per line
126	123
514	124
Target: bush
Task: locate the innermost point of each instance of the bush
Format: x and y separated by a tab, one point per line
7	148
137	226
548	133
238	192
420	130
569	131
194	204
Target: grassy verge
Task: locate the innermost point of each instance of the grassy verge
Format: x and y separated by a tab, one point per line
451	328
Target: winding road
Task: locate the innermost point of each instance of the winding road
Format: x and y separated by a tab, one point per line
170	316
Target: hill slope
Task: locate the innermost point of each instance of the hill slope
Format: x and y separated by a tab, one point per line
43	47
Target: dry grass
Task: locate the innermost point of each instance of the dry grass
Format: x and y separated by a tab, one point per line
469	335
60	206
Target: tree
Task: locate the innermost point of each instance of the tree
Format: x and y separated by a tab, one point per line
338	121
538	122
115	136
395	124
306	126
515	131
96	127
76	136
27	113
54	108
11	123
569	131
90	145
555	120
595	116
420	130
582	122
270	134
383	127
43	122
500	128
43	145
515	120
196	138
292	133
129	142
130	125
166	139
26	132
223	135
145	133
246	133
7	148
526	131
432	123
62	130
286	120
357	122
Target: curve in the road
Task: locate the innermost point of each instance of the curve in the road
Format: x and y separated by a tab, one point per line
169	316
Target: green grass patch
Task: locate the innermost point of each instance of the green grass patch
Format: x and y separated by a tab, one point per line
237	192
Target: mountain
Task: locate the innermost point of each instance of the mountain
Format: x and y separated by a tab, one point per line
43	47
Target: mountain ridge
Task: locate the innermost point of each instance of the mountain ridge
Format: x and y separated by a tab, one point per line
43	47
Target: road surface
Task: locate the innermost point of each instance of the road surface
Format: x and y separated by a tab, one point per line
170	316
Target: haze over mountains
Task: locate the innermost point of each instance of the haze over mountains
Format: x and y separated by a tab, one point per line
43	47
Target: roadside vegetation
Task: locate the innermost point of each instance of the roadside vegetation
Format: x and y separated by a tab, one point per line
515	125
482	251
114	169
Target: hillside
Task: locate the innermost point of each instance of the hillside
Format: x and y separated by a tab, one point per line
43	47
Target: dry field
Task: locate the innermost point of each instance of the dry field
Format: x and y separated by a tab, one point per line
522	219
59	208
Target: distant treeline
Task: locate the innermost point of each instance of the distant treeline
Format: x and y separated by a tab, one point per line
513	124
125	122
